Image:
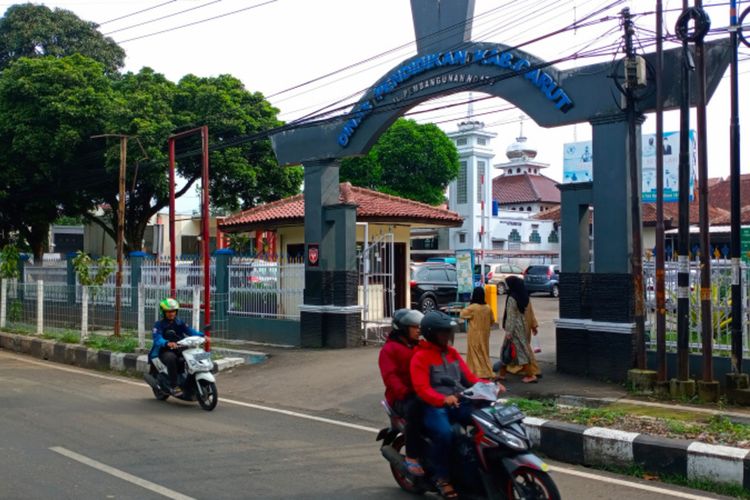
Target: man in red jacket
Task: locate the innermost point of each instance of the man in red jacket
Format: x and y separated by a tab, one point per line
434	364
394	362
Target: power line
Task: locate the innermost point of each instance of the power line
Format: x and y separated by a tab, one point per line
137	12
199	21
144	23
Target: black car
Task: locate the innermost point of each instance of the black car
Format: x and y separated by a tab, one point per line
434	285
542	278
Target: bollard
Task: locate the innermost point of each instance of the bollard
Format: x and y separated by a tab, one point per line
84	314
3	302
141	316
40	307
490	296
196	307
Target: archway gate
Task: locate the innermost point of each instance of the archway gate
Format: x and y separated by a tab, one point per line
594	333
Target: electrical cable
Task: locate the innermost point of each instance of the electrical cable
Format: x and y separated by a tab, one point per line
144	23
175	28
137	12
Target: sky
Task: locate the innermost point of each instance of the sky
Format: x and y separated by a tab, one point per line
277	45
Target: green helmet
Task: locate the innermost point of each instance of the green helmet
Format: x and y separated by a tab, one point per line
169	304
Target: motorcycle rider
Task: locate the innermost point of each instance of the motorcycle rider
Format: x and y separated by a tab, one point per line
435	362
166	333
394	361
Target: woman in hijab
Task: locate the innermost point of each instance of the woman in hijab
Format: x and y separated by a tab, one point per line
480	319
515	326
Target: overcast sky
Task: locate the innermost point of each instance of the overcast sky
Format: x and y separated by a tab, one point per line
275	45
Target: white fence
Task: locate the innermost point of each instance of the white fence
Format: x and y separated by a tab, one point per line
266	289
721	305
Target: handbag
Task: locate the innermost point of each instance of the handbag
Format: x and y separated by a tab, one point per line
536	344
508	352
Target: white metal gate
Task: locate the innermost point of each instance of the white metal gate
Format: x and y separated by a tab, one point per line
376	293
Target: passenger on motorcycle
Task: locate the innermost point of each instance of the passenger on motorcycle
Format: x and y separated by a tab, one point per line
434	364
166	333
394	361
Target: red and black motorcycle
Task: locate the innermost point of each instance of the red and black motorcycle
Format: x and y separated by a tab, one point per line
490	459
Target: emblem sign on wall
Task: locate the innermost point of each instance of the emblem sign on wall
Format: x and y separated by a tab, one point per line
313	255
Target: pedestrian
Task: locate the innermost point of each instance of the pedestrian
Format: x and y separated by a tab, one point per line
514	324
532	328
480	318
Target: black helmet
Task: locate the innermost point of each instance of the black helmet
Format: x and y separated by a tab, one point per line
404	318
435	322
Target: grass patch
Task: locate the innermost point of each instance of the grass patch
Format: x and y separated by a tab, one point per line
123	343
734	491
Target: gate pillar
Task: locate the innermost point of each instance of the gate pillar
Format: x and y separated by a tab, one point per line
329	316
595	329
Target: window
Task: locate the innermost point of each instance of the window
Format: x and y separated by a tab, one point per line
481	141
510	171
437	275
462	237
481	171
514	236
451	275
535	237
505	268
461	195
461	141
516	269
528	209
553	238
518	170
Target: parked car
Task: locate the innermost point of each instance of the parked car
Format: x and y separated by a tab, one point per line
500	272
542	278
434	285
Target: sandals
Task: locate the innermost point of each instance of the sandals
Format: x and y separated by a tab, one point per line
446	489
413	467
530	380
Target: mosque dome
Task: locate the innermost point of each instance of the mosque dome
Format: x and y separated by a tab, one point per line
521	150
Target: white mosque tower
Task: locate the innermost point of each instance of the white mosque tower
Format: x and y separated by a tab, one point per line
470	195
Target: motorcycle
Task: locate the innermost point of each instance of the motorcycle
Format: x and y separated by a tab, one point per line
490	459
196	375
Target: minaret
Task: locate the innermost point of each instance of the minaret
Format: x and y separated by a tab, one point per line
470	194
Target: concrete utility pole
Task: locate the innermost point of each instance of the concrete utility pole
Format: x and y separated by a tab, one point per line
631	82
708	389
661	339
120	227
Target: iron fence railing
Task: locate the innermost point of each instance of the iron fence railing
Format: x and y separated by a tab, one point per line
266	289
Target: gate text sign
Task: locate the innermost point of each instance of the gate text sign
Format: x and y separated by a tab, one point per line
520	66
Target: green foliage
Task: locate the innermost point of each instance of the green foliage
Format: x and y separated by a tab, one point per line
67	220
240	243
28	30
82	264
122	343
409	160
9	261
15	310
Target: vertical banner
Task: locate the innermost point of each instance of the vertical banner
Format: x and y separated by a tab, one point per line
465	271
578	161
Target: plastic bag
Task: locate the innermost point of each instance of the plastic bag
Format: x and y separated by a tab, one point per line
536	344
508	352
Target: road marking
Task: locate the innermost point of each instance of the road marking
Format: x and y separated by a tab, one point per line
560	470
161	490
621	482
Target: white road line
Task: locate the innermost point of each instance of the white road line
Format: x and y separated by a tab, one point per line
621	482
560	470
161	490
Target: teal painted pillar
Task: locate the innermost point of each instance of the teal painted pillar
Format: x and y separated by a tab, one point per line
71	278
223	258
136	273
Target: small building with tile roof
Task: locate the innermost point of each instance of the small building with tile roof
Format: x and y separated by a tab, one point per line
378	214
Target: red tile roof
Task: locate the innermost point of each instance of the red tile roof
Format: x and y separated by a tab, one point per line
524	188
719	194
717	216
372	206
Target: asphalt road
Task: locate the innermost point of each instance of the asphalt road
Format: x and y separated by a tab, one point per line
70	433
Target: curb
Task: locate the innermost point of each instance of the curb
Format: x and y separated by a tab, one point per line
83	357
591	446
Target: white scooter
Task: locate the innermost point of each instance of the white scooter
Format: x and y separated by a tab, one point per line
195	377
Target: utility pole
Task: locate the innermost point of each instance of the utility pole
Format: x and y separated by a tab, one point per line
120	227
683	386
661	339
736	379
708	389
631	82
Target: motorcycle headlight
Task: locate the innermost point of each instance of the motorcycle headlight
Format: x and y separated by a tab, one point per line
513	440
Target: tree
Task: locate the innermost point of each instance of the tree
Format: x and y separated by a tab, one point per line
29	30
409	160
150	107
49	108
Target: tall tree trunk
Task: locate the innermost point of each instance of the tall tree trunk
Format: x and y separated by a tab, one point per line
38	239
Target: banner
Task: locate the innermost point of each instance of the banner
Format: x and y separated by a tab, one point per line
578	163
465	271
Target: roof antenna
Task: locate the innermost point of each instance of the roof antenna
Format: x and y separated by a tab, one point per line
470	110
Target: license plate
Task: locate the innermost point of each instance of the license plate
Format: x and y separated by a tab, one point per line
202	355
